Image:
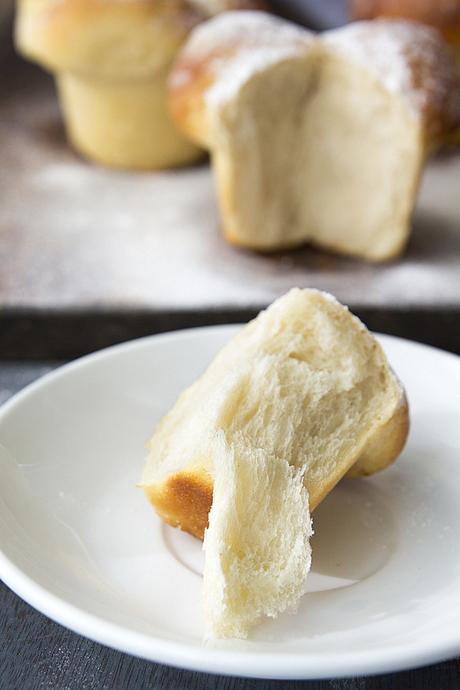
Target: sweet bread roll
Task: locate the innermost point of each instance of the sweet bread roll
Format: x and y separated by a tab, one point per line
284	411
316	139
111	61
298	378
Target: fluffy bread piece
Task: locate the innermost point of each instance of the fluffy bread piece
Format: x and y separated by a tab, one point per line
111	60
257	546
305	383
316	139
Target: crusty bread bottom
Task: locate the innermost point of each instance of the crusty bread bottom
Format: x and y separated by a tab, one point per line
123	125
184	500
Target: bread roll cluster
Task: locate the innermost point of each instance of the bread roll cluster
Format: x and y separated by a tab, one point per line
313	138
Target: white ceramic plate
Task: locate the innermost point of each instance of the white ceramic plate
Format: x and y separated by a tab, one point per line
79	542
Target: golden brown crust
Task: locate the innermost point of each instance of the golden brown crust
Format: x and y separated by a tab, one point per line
187	85
184	499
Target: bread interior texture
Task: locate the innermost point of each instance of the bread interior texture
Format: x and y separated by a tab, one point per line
281	414
257	547
315	149
304	381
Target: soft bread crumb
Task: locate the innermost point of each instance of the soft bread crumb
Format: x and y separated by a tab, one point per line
289	405
257	546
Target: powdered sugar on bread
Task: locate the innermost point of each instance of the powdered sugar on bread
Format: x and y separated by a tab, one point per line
261	40
407	58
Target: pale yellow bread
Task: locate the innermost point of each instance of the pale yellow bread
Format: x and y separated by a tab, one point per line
296	338
289	405
123	125
318	139
111	59
257	547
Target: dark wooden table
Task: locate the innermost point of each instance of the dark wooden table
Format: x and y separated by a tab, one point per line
38	654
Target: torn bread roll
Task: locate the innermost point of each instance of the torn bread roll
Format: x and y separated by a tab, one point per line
111	61
316	139
305	381
293	401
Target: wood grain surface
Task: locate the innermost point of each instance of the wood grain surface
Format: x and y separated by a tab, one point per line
38	654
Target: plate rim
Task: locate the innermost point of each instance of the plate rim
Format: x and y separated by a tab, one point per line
250	664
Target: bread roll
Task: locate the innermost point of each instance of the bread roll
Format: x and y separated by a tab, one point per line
284	383
111	61
291	403
316	139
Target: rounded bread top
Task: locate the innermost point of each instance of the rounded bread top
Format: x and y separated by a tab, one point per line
409	59
221	55
110	39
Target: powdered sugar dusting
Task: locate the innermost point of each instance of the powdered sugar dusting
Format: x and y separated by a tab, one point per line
246	28
243	67
237	45
406	57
